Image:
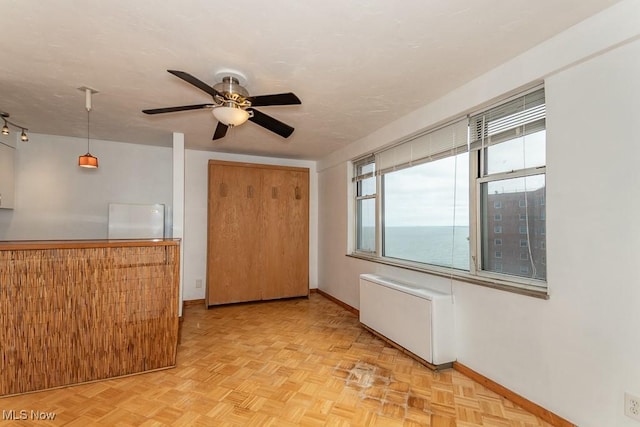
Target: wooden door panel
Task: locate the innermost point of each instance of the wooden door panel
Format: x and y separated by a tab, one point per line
285	210
234	255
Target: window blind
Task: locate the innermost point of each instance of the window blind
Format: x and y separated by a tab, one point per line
521	116
446	141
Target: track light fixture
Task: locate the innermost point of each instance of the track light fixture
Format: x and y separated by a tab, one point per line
5	127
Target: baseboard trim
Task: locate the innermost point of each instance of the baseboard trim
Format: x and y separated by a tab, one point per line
524	403
336	301
192	302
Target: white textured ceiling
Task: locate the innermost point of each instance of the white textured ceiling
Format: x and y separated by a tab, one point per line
356	65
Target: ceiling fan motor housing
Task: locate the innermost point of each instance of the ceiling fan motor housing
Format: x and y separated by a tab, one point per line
231	89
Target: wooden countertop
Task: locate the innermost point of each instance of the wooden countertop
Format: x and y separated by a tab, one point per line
13	245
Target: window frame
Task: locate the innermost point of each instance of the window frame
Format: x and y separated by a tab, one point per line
515	281
357	197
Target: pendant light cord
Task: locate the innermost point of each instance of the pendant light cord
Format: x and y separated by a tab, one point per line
88	133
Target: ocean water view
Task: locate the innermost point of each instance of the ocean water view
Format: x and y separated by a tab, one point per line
446	246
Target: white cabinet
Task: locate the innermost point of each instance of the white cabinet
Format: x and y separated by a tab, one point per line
418	319
7	187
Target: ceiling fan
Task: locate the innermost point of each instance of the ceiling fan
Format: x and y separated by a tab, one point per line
232	105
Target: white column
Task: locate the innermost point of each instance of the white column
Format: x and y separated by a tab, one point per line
178	202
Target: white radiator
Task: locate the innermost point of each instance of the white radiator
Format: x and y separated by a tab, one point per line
419	320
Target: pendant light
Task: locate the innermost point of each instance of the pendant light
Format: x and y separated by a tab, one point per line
87	160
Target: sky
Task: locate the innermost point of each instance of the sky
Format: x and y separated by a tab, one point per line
423	195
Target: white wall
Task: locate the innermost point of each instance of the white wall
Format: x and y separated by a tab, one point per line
56	199
195	219
576	353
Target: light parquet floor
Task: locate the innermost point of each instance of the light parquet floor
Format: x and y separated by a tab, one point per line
301	362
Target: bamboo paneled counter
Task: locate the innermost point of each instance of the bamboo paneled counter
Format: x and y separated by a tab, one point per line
78	311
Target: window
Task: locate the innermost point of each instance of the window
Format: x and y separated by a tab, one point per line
424	202
510	142
414	202
365	181
423	221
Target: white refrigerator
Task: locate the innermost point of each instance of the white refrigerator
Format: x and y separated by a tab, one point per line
135	221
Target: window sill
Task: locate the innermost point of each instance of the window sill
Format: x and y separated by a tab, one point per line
502	285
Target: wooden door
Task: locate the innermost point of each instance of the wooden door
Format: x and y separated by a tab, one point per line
234	226
258	232
285	232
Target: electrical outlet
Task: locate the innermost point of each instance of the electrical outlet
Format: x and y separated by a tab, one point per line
198	283
632	406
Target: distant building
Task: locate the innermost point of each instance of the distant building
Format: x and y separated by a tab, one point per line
515	227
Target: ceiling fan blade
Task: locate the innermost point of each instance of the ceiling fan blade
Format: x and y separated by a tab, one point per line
276	99
195	81
180	108
221	131
268	122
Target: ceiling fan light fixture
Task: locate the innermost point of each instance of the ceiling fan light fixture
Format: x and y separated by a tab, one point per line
231	116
